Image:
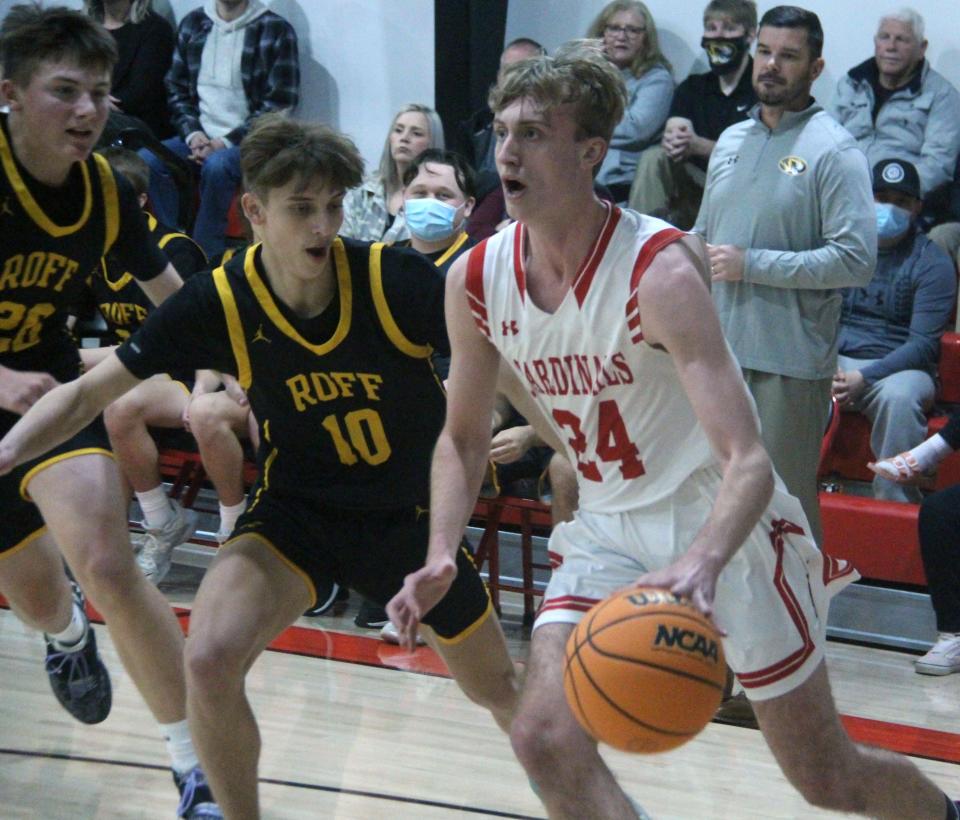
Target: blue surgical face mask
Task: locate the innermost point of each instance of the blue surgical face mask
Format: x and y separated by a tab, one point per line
891	220
429	219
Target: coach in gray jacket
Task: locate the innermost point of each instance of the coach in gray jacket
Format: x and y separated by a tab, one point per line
895	105
788	214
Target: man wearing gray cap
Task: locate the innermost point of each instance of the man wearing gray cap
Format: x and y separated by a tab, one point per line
890	329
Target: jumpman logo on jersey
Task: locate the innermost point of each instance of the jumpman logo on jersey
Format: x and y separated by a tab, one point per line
510	327
5	208
421	511
259	336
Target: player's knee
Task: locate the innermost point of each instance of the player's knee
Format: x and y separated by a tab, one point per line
205	422
123	414
538	739
212	666
106	574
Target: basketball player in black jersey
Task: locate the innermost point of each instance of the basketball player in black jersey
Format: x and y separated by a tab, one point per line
331	338
61	209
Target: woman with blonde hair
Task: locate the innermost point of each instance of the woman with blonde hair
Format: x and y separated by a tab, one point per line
144	41
373	212
629	37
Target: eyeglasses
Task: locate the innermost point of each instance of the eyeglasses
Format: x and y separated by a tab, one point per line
629	31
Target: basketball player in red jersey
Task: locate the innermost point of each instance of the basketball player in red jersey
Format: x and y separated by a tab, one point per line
605	318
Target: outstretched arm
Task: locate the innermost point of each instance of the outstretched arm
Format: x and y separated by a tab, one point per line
678	314
458	460
64	411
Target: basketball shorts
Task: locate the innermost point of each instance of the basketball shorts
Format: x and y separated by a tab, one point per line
22	521
771	598
370	551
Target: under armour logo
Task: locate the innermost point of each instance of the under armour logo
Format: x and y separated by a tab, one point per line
510	328
259	336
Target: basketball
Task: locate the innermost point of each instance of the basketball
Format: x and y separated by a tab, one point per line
644	671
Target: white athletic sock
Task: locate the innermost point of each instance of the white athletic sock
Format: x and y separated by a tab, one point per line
229	515
156	507
179	746
69	640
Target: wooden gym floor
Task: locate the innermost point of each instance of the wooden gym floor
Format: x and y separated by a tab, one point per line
354	728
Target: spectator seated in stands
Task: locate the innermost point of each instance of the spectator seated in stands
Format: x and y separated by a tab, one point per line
373	211
630	42
160	402
895	105
234	60
670	177
476	141
138	97
438	197
939	530
523	465
890	329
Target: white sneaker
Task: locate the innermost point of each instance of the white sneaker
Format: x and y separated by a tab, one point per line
158	544
389	634
943	658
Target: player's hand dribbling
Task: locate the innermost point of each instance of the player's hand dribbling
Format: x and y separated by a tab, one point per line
691	577
21	389
421	591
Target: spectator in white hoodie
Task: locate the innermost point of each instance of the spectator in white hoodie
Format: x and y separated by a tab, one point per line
234	60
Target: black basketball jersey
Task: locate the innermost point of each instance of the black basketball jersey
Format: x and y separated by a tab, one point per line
117	294
43	263
350	412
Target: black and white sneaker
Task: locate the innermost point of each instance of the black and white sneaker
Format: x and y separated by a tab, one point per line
77	675
371	616
329	593
196	799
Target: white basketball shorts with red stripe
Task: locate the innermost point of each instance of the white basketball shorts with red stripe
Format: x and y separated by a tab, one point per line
772	597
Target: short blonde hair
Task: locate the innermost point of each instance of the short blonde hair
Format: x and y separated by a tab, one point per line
651	55
578	75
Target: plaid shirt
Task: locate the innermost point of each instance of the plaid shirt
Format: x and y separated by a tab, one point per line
270	68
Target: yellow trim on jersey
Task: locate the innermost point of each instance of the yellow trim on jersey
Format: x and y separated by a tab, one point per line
111	201
26	542
30	204
49	462
152	224
276	550
120	284
265	479
234	327
401	342
452	249
345	294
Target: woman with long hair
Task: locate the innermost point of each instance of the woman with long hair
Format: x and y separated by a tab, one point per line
373	212
629	37
145	48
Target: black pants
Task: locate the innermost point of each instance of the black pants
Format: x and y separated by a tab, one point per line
939	526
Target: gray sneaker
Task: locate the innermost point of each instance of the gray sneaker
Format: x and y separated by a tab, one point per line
943	658
158	544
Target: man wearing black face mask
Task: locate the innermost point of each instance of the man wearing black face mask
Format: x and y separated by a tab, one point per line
890	329
670	177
